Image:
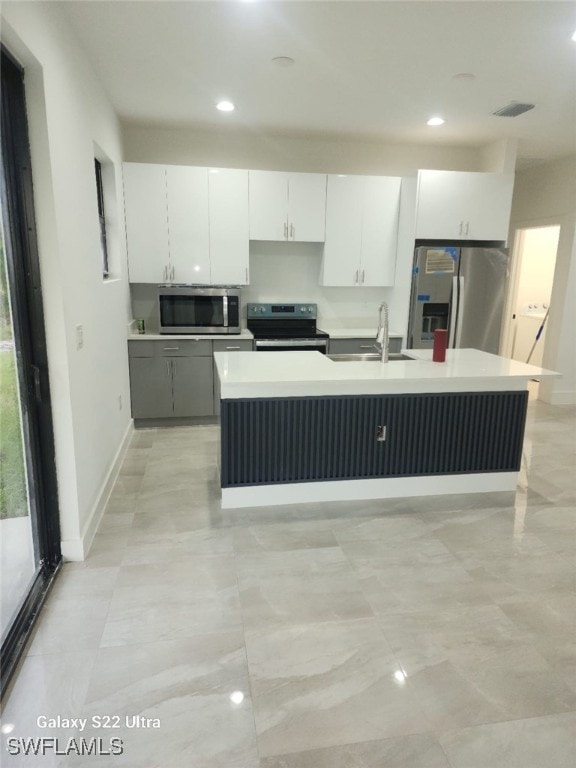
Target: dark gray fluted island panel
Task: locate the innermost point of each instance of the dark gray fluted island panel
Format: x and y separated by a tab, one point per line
317	439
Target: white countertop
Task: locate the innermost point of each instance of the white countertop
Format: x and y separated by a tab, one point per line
244	334
353	333
298	374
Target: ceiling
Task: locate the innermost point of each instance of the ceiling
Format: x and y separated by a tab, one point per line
362	70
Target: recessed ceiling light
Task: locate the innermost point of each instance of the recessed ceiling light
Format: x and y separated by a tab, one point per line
283	61
435	121
237	697
225	106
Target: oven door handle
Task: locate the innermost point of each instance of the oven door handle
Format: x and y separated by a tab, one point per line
260	344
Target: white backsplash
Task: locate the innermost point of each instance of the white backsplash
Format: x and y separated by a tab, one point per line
291	272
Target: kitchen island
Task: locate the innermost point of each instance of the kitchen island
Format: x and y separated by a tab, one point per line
299	427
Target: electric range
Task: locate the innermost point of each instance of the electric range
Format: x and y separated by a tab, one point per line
285	327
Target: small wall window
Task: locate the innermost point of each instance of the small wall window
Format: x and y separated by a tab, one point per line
102	219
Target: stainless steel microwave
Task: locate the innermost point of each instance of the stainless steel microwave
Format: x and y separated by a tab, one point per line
198	309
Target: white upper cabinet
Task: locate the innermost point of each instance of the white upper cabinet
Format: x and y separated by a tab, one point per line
268	195
186	224
229	245
146	210
287	206
361	230
189	247
454	205
307	207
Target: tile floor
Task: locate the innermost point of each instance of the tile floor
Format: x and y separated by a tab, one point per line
419	633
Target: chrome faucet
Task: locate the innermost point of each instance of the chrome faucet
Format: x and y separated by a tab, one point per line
382	342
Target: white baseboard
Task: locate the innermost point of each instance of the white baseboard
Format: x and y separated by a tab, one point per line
357	490
76	550
566	397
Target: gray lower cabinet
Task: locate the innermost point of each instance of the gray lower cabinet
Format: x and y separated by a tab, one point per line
361	345
151	388
193	386
171	379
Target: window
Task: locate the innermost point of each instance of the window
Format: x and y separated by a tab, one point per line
102	219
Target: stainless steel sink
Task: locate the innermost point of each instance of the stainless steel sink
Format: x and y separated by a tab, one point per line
367	358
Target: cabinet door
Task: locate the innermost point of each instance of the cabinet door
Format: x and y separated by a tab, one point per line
344	203
380	230
307	207
463	206
193	386
151	387
187	192
489	215
442	205
229	221
268	197
146	222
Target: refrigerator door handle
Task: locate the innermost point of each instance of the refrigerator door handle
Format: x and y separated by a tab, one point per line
460	311
454	312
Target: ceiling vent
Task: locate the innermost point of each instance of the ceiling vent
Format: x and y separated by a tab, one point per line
513	109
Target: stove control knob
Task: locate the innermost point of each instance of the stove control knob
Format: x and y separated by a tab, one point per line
302	309
309	309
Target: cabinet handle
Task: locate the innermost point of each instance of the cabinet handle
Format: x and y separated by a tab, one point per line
233	347
362	276
168	367
285	230
172	274
467	226
366	346
381	433
292	231
170	349
356	276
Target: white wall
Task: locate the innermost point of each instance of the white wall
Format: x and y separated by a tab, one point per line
546	195
538	256
68	115
236	149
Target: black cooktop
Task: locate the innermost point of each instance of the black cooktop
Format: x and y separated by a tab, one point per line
287	320
262	329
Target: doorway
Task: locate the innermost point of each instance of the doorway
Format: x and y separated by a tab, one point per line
534	262
29	520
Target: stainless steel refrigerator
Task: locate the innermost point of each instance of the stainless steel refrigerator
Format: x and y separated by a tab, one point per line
462	290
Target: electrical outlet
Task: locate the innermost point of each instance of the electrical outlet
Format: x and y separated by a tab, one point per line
79	336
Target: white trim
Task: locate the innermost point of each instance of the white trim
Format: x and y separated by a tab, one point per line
564	397
77	549
354	490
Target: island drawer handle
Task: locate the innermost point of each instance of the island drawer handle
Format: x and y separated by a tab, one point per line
366	346
381	434
170	349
